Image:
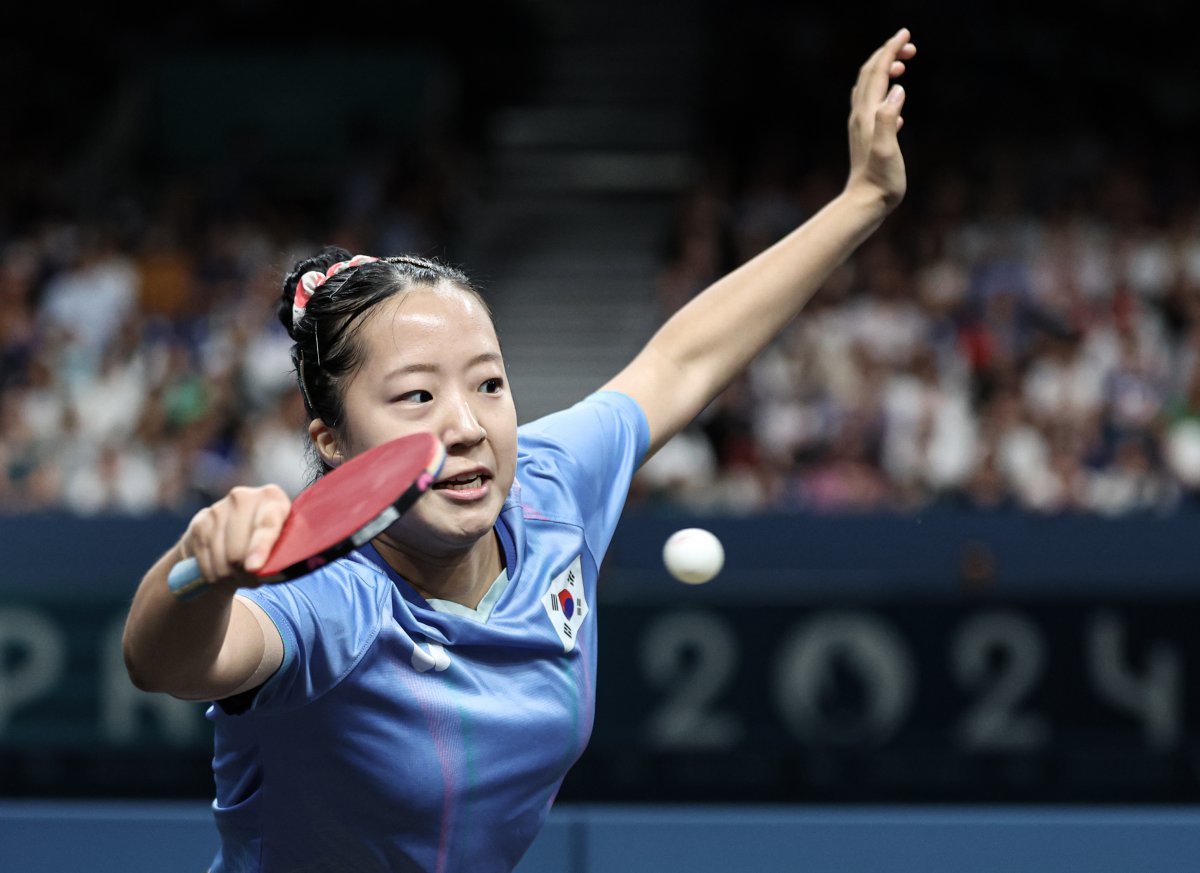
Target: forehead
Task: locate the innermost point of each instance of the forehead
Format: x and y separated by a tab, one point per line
429	322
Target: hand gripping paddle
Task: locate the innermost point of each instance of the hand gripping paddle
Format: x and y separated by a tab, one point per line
345	508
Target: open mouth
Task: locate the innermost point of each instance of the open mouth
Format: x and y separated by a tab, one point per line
466	482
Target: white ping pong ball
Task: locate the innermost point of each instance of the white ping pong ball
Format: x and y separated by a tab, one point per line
693	555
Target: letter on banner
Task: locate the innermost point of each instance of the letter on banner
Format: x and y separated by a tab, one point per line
32	656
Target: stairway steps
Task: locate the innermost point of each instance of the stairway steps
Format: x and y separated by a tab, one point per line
582	184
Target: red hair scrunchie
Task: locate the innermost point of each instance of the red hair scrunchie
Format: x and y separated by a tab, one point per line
314	279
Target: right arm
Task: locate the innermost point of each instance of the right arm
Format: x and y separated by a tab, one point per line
219	644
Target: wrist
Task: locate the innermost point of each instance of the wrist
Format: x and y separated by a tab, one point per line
866	201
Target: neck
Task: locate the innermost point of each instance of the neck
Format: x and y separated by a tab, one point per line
462	577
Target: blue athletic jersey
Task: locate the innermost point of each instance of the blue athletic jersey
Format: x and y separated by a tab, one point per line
405	735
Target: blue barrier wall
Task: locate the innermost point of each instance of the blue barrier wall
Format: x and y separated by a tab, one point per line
151	838
772	555
937	657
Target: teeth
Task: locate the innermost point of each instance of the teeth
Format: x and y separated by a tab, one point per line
462	482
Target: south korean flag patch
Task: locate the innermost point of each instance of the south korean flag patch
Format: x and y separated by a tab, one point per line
565	604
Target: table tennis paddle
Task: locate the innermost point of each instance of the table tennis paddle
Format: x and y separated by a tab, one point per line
344	509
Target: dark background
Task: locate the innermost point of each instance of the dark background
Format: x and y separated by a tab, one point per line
989	75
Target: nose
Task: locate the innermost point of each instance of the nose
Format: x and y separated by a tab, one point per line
461	426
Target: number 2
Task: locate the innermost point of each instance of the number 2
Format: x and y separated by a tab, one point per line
994	722
686	719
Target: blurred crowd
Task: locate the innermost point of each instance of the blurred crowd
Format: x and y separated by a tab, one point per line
1002	343
142	366
1023	333
977	352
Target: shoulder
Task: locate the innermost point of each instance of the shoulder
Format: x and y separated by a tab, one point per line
327	621
596	425
349	589
574	461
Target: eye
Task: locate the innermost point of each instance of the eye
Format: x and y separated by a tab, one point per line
491	386
418	396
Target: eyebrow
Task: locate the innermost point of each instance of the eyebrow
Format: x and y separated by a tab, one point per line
484	358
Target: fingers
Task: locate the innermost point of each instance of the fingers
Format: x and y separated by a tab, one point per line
887	116
886	62
897	41
876	161
197	541
897	68
872	100
232	538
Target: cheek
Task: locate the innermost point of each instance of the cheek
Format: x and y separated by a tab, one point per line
371	424
358	421
365	435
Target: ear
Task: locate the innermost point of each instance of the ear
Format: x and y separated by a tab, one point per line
326	442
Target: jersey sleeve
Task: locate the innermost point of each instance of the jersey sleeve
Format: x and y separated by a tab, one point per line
592	450
327	621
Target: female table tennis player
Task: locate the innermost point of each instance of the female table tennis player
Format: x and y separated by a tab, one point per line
416	705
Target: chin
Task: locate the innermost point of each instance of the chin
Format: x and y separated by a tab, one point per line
463	525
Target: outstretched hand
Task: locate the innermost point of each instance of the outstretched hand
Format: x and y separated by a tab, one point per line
876	163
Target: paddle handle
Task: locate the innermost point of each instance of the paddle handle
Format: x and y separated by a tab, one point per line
185	580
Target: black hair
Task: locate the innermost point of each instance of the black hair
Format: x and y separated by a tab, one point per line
325	353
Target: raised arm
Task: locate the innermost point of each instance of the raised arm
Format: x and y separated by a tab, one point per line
699	350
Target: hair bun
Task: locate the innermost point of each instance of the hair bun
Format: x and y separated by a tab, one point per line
328	256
